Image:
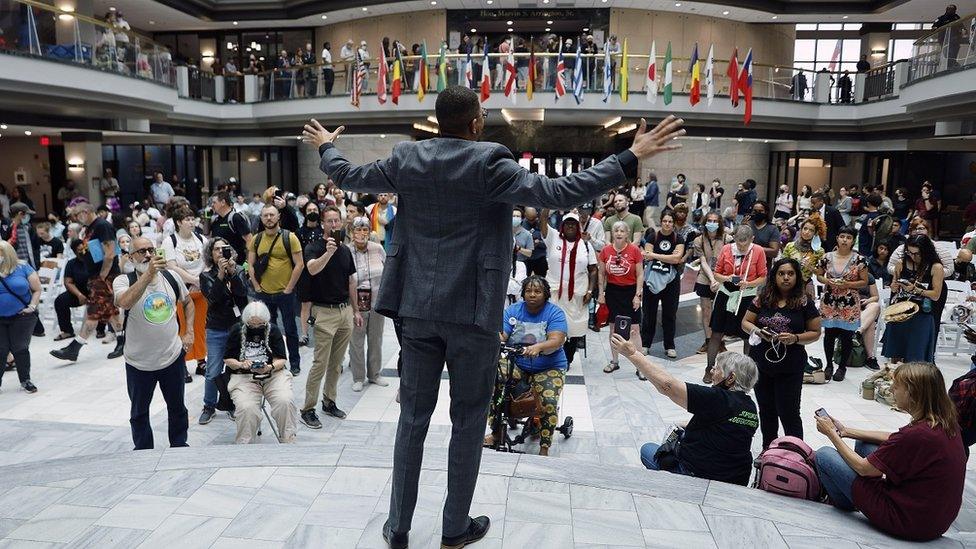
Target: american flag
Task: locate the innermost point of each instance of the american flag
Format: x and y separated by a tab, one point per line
578	75
358	79
560	71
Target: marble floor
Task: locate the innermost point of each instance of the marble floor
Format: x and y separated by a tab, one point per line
68	476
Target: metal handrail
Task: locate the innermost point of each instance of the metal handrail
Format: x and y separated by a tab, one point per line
143	39
959	22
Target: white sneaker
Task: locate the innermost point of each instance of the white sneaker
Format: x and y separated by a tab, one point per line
671	353
380	382
357	386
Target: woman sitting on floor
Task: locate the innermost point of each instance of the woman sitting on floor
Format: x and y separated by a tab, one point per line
716	444
541	326
908	483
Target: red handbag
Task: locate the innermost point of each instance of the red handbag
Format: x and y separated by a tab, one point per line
602	316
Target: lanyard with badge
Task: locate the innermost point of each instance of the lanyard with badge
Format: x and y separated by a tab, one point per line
364	296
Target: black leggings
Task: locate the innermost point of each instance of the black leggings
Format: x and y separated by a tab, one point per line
668	299
831	335
778	398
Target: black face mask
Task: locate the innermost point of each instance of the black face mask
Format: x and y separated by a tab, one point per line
255	334
312	216
758	217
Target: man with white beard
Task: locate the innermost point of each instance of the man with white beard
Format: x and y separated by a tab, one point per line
154	352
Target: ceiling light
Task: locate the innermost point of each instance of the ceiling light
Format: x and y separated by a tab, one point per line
325	17
382	136
489	2
66	17
234	23
508	22
474	30
111	8
510	29
151	22
775	17
433	2
604	1
365	9
611	122
432	119
545	1
27	132
740	140
69	9
708	139
845	17
424	127
548	29
3	126
586	29
677	4
726	12
627	128
765	141
549	22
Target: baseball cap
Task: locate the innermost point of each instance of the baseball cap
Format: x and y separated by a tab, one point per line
20	207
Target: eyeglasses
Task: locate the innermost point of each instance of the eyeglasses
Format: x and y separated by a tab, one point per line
149	250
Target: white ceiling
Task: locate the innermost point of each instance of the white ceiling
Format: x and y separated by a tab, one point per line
151	16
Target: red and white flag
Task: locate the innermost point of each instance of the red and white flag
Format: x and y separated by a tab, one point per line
511	89
381	80
650	82
560	73
485	77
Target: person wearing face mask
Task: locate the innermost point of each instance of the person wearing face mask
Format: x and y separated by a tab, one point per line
781	321
573	275
310	231
707	247
224	284
184	256
154	350
664	250
784	203
523	244
716	443
807	248
255	356
766	234
21	235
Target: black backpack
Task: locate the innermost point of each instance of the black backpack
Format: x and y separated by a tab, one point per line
261	263
172	282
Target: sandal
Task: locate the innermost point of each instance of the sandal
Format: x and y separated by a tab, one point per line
610	368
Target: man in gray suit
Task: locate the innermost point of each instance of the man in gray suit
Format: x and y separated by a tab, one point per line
446	278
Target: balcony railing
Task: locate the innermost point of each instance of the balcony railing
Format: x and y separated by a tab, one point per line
946	49
28	27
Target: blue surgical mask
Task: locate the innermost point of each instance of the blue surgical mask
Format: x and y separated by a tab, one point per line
711	226
516	221
815	243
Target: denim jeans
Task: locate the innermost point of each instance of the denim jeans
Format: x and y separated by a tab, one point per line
647	452
216	345
286	304
836	476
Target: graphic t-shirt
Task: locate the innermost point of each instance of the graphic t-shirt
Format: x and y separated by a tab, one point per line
187	253
95	234
662	244
152	331
782	320
621	265
525	328
52	248
716	445
255	347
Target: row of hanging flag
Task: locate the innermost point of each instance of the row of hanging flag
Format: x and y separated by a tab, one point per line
740	77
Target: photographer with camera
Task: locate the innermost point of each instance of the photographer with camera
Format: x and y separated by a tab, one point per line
781	320
224	284
332	280
154	352
256	357
542	326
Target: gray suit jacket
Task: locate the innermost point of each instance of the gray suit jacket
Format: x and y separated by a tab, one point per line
451	253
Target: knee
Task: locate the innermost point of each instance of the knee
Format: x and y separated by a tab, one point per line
824	458
245	409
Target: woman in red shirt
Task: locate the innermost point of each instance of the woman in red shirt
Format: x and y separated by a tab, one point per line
740	270
620	269
909	483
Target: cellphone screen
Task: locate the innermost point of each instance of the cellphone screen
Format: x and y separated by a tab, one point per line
621	326
822	413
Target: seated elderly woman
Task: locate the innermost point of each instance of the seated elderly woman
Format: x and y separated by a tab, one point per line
257	361
541	326
716	443
908	483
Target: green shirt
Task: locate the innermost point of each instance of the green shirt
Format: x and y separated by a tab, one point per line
634	225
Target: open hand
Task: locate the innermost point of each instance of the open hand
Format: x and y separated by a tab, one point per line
649	143
316	135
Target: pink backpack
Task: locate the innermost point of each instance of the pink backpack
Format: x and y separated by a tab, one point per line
787	468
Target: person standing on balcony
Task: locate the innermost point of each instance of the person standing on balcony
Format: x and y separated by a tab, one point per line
311	80
844	86
348	56
946	18
799	87
953	36
364	55
863	65
328	72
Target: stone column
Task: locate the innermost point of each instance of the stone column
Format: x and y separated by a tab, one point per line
83	158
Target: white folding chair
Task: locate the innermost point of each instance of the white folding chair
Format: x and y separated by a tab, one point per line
50	287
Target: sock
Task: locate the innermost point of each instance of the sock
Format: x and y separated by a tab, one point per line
81	340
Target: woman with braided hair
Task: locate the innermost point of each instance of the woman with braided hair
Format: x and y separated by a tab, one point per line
541	327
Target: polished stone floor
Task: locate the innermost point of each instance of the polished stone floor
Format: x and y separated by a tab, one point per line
68	476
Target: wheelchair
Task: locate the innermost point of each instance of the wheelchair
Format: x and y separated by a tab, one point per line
514	407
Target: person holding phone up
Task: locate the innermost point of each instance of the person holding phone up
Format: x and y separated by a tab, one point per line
781	320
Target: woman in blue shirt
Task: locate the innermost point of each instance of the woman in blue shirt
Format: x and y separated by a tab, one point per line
20	291
541	327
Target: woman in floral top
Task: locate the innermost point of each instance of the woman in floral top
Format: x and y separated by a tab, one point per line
807	249
843	272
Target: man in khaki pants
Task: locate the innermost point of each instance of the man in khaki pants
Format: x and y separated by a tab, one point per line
333	280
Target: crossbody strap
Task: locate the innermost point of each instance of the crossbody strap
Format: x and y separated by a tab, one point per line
11	292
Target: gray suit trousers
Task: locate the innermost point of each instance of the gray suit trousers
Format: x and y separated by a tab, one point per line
471	354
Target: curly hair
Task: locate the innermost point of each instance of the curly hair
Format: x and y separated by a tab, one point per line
796	298
818	223
536	280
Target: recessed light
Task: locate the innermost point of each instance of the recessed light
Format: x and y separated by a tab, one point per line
708	139
775	17
726	12
586	29
325	17
765	141
489	2
433	2
234	23
845	17
549	22
27	132
677	4
508	22
111	8
474	30
545	1
548	29
365	9
740	140
151	22
510	29
3	126
382	136
69	9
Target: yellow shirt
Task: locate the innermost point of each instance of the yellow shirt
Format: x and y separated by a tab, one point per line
278	273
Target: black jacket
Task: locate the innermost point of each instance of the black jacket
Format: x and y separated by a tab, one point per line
834	222
223	297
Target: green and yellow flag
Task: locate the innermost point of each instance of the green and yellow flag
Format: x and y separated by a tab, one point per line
623	73
442	68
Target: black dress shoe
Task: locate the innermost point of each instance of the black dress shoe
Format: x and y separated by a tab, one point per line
396	540
476	530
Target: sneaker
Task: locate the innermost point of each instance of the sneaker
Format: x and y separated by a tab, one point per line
206	416
396	540
117	352
871	363
477	529
201	368
311	420
333	410
379	382
69	352
357	386
29	387
296	370
671	353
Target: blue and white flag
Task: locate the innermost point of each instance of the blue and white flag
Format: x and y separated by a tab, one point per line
578	75
607	82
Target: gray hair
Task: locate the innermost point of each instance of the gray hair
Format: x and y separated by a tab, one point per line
256	309
744	368
743	232
619	224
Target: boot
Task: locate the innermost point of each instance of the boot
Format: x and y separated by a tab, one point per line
119	344
829	371
70	352
841	372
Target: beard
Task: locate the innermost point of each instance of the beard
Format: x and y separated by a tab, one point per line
270	226
141	267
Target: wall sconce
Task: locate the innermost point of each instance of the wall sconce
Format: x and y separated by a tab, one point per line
879	51
76	165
